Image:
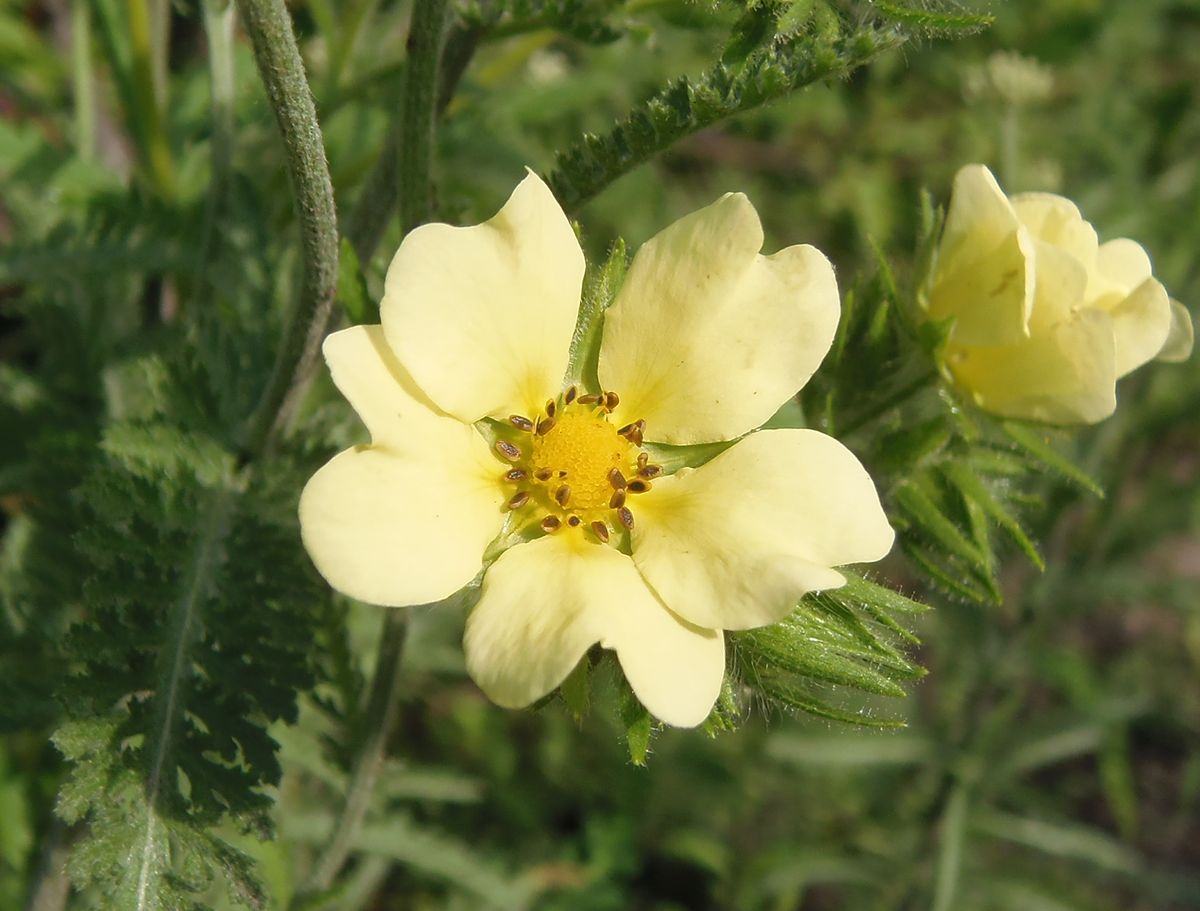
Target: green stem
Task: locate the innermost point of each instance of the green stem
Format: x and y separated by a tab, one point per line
379	721
282	72
380	195
421	88
155	147
81	79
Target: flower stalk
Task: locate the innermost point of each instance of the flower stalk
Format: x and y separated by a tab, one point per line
282	72
426	40
378	723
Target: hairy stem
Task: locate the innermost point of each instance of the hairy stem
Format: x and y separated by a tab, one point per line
421	88
282	73
379	721
380	196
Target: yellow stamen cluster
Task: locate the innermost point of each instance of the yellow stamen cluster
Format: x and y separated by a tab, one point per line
575	466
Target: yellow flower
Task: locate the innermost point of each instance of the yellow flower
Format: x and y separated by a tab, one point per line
474	436
1046	319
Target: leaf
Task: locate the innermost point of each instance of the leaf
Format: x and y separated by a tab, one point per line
639	726
973	490
1040	449
933	21
849	749
600	288
794	697
775	646
576	689
685	106
951	838
755	28
197	636
447	859
1067	840
954	551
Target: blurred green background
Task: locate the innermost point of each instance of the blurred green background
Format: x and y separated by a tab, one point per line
1051	759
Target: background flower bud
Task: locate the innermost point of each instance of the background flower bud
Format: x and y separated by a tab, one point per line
1045	318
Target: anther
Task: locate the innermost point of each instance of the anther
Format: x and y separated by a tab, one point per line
508	450
643	458
650	471
518	500
543	474
563	495
617	500
545	425
625	516
611	400
570	395
601	531
633	432
520	423
616	479
515	474
638	485
550	523
549	408
574	521
588	399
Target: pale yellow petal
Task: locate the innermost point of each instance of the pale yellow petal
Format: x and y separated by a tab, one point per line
979	219
735	543
1067	376
984	275
482	317
1181	337
1056	220
395	411
544	604
707	338
1059	286
397	529
1124	261
1141	324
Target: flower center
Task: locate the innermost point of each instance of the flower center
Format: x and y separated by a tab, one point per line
581	450
575	467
